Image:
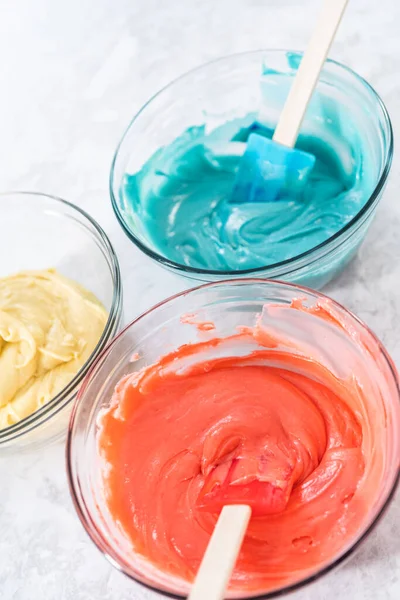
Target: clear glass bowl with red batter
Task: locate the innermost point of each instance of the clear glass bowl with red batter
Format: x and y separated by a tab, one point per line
229	305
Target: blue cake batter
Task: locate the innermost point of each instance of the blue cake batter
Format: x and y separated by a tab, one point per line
181	198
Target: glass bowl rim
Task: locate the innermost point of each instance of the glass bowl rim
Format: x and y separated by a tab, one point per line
57	403
78	500
298	260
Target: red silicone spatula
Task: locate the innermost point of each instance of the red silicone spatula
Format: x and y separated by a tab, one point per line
238	488
264	484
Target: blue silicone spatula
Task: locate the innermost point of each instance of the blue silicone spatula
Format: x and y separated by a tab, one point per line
269	169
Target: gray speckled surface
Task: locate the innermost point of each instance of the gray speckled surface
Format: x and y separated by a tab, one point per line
73	73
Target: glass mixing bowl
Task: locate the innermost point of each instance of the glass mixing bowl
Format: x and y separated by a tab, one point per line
228	305
228	89
41	232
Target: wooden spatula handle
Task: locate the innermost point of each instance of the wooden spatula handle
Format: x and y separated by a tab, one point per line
221	554
307	75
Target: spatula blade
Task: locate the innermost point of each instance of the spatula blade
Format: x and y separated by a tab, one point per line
269	171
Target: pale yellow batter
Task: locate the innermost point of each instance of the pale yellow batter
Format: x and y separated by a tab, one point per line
49	326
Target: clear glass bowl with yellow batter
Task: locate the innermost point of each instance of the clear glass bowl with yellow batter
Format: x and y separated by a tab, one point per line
343	345
40	232
210	106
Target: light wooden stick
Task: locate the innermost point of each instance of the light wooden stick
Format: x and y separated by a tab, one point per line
221	554
307	75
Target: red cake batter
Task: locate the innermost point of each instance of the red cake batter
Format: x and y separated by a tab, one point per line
273	429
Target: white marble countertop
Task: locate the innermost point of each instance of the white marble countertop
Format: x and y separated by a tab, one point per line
72	75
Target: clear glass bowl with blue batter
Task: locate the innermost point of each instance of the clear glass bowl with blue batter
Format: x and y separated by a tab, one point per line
175	166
